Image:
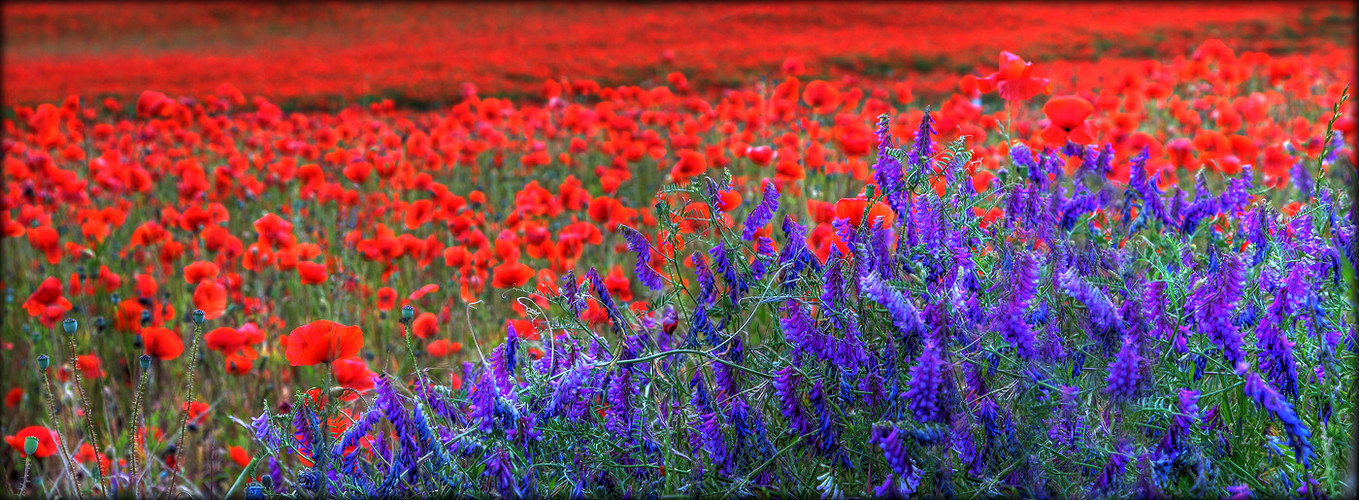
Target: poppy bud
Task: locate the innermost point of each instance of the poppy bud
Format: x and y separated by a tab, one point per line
198	316
406	313
70	325
145	361
43	361
30	445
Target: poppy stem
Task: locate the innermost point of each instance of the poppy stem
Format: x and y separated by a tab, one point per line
23	483
188	405
56	428
136	430
89	416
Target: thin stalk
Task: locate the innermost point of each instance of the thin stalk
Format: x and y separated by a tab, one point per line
136	428
188	403
56	427
89	416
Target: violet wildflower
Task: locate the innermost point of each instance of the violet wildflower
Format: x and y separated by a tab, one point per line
904	315
919	156
707	284
785	383
888	438
500	469
1264	395
618	416
736	287
1212	303
1102	312
1125	372
925	394
575	302
639	245
763	213
1302	179
265	432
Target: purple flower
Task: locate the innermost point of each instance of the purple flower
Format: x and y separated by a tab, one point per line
904	314
639	245
501	470
736	286
919	156
763	213
265	432
889	439
1102	312
575	302
925	395
1213	302
618	417
1264	395
786	382
1302	179
764	251
707	284
1125	372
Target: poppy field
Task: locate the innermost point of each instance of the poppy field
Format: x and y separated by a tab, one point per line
804	250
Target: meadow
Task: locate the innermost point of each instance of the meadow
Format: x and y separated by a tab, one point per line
833	250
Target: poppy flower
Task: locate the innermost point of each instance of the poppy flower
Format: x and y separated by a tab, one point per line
47	443
425	325
353	373
90	365
1066	120
238	363
161	342
1013	80
511	274
423	291
47	294
442	348
211	297
311	272
239	455
198	271
322	341
691	163
14	397
853	209
197	410
821	96
227	340
386	298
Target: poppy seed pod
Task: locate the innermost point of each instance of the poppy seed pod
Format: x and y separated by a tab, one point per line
100	323
198	316
43	362
146	317
407	313
70	325
870	191
145	362
116	298
30	445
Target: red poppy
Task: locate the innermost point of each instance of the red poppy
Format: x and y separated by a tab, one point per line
691	163
854	209
239	455
211	297
14	397
1066	120
47	443
821	96
198	271
442	348
197	410
425	325
161	342
1013	80
322	341
90	365
423	291
47	294
354	374
386	298
510	275
311	272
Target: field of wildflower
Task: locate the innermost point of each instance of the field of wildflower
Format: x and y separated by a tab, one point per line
679	251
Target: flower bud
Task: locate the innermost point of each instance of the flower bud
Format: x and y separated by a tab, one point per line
30	445
70	325
198	316
146	362
43	362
